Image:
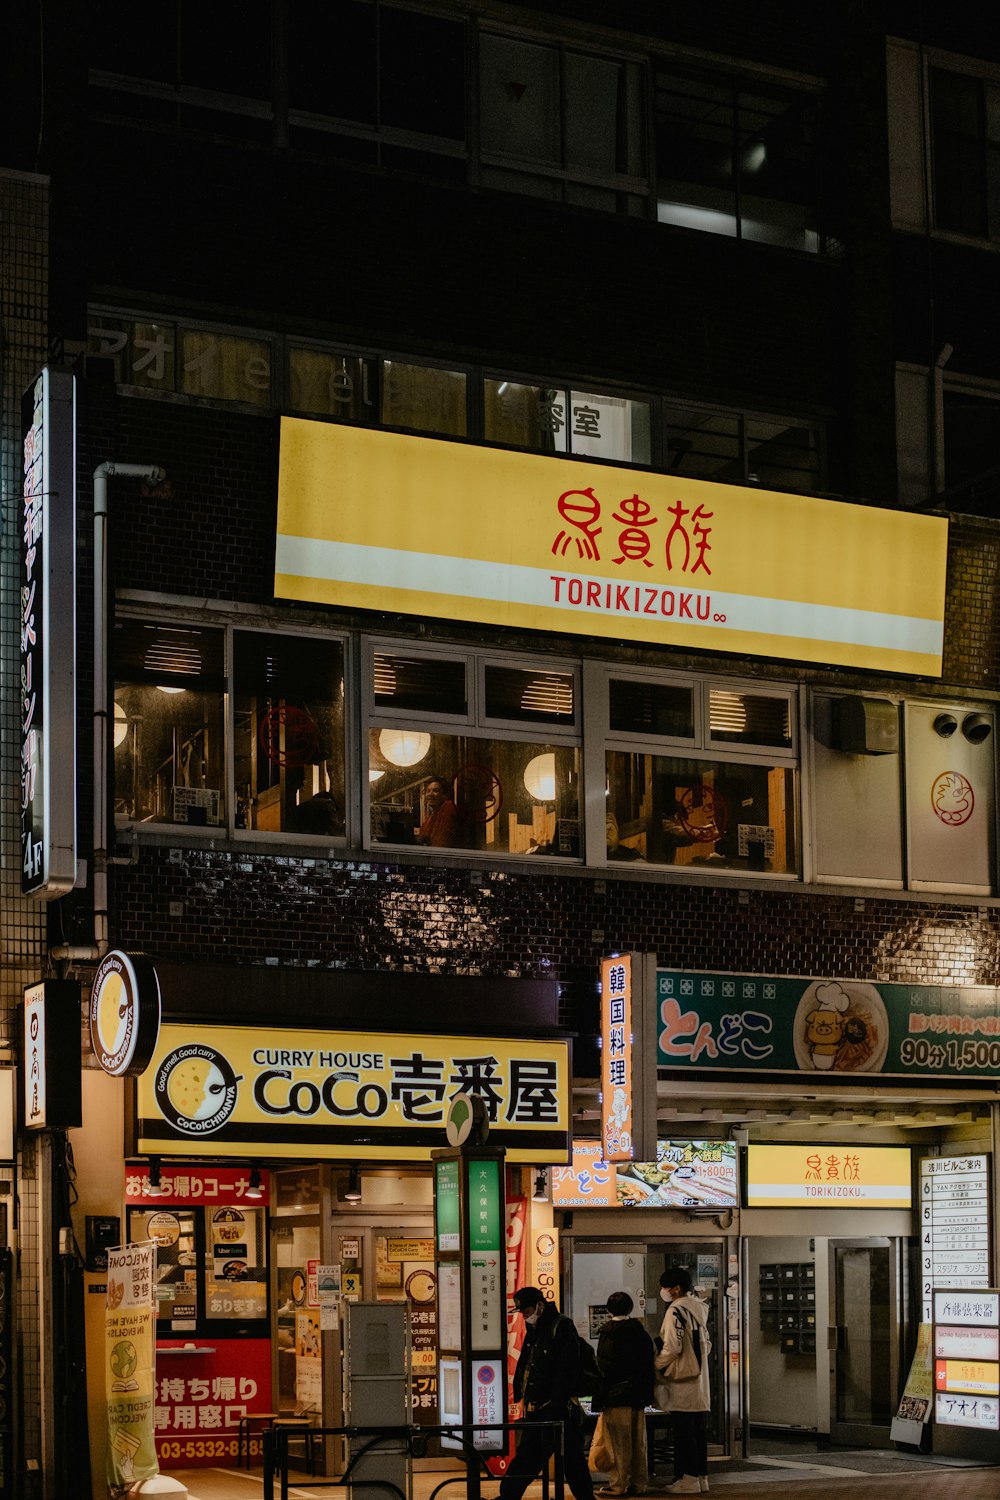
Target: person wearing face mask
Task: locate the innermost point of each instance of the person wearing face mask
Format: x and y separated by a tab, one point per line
687	1400
546	1381
625	1361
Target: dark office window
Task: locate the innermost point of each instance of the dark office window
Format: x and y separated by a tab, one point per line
736	160
971	439
224	46
137	41
377	66
559	124
965	124
733	449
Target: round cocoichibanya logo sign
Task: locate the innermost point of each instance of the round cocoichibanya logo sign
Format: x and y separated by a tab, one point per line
196	1089
124	1013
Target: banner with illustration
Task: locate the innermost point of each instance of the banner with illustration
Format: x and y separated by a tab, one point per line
826	1027
130	1363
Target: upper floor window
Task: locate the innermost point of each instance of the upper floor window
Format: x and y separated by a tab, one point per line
552	419
560	123
177	358
205	67
971	441
731	447
738	159
700	774
386	80
965	129
284	770
470	753
169	695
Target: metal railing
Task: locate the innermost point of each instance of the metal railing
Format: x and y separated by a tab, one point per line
415	1439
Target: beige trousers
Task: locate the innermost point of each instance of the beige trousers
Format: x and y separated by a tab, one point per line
626	1430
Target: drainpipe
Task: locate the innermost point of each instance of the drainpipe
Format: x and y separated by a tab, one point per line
96	950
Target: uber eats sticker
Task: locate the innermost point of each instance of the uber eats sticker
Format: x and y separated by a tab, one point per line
290	1093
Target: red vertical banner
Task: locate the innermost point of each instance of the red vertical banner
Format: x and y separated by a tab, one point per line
517	1260
617	1123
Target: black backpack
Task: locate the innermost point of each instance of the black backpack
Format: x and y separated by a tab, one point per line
589	1376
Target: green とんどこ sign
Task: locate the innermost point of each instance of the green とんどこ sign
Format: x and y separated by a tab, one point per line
833	1027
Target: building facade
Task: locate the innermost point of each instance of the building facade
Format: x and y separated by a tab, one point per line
670	303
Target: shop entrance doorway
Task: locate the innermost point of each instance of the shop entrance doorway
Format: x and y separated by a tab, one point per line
863	1341
598	1269
823	1340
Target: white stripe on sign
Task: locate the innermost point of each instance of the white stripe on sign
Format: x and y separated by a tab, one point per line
551	588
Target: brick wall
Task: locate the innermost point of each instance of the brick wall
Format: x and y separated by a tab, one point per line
256	909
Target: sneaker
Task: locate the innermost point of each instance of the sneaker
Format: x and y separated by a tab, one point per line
703	1483
687	1485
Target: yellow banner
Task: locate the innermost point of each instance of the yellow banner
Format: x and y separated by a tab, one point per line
130	1365
378	520
828	1176
284	1093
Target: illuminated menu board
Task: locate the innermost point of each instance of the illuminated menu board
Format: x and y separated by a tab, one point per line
686	1174
954	1224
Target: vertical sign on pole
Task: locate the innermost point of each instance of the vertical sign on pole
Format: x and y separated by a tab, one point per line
617	1101
628	1063
47	694
470	1262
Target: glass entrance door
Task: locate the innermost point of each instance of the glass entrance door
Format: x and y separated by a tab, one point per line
863	1341
599	1269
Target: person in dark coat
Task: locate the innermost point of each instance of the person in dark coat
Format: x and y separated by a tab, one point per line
625	1355
546	1380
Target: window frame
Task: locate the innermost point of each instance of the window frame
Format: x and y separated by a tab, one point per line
657	402
600	740
739	81
229	626
475	723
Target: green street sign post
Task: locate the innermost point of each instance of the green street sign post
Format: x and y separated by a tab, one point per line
470	1261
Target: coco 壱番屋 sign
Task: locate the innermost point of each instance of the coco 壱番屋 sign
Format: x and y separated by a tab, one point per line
124	1013
222	1090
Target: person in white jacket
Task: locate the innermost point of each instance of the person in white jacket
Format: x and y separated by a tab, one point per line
688	1401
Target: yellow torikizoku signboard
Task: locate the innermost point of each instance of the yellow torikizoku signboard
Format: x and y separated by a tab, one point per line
377	520
828	1176
237	1091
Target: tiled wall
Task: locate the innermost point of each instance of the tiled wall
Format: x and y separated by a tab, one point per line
23	344
256	909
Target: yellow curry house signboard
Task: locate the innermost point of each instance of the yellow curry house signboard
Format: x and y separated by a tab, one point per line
286	1093
378	520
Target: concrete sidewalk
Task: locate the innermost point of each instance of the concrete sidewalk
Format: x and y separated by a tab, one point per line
868	1474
